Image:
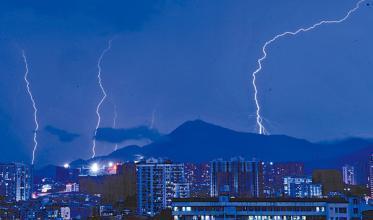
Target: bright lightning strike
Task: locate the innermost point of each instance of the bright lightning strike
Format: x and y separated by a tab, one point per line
104	94
115	124
259	119
152	122
33	105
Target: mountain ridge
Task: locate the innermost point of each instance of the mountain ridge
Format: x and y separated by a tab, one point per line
199	135
200	141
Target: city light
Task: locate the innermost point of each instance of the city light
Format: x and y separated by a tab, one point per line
95	168
111	164
66	165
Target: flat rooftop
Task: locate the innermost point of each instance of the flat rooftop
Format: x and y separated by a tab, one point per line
216	199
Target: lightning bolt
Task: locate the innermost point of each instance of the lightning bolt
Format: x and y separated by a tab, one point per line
33	106
115	123
152	122
259	119
104	94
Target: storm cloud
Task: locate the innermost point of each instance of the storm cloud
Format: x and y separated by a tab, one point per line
113	135
62	135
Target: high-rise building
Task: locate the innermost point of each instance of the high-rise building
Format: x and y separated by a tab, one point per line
274	174
158	182
198	176
371	175
15	181
301	187
237	177
349	175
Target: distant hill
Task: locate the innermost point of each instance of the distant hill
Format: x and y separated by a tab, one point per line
199	141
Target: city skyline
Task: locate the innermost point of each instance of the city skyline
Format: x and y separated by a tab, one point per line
186	110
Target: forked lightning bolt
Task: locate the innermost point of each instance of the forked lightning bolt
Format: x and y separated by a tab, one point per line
115	124
259	119
104	95
33	105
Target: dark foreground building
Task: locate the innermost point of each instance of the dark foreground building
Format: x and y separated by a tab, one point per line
116	188
368	215
331	180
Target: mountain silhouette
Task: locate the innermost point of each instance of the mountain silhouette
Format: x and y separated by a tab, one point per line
199	141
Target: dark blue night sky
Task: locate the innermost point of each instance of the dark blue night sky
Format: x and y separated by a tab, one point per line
177	61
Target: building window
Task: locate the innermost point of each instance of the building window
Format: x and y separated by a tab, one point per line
356	210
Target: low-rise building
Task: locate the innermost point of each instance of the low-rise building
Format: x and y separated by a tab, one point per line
224	207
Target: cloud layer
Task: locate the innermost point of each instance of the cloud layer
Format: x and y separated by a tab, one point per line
113	135
62	135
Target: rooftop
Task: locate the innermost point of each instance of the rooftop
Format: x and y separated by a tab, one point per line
329	200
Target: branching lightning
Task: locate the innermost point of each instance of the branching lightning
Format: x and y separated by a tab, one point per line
115	124
259	119
33	105
104	94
